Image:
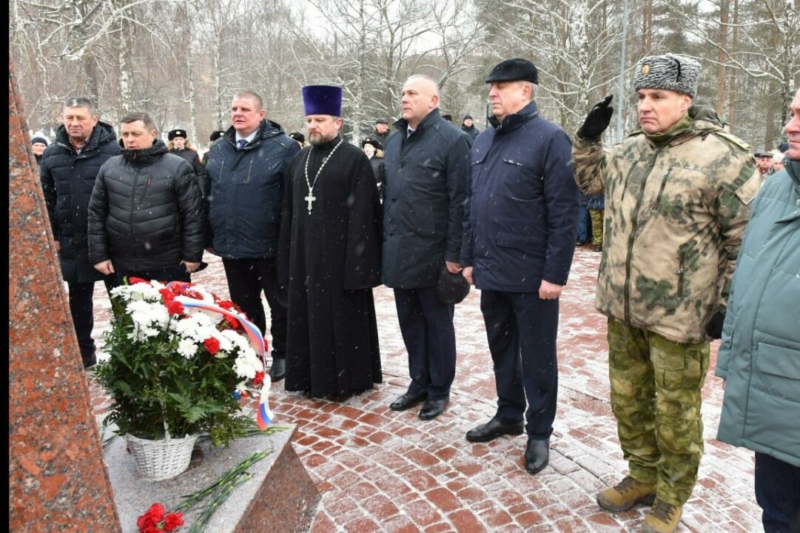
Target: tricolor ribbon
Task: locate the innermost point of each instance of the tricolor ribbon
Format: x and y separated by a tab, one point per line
264	414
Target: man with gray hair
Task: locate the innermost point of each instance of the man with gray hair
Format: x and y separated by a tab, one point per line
520	225
676	205
426	162
68	171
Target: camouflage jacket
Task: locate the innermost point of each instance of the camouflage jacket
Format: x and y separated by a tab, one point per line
674	217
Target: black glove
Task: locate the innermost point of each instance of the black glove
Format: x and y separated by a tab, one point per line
714	326
597	120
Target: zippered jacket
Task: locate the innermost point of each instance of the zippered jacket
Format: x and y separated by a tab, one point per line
67	181
675	213
146	211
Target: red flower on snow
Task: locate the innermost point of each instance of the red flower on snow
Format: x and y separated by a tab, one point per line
156	519
212	345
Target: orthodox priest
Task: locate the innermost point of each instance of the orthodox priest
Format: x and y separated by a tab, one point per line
330	258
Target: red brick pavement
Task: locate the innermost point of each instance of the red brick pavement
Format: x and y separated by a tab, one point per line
382	471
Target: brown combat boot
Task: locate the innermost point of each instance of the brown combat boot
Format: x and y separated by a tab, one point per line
626	495
663	518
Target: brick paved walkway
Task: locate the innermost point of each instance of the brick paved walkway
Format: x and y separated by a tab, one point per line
383	471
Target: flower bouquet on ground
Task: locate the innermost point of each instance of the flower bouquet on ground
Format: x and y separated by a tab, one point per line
179	360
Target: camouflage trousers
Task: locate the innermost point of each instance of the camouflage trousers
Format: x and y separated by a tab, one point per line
656	397
597	226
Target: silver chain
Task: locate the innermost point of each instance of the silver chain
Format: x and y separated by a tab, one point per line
310	198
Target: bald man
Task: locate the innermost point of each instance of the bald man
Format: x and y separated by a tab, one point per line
426	162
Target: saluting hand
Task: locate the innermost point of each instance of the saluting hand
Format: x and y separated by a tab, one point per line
597	120
549	291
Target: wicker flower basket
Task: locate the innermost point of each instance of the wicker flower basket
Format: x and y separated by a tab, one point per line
157	460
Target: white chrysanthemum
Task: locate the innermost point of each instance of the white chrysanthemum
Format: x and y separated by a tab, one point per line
247	364
197	327
187	348
149	319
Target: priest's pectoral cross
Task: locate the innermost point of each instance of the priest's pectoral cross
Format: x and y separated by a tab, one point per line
310	199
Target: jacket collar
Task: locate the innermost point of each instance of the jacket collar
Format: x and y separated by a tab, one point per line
429	120
266	130
146	156
512	122
793	169
101	134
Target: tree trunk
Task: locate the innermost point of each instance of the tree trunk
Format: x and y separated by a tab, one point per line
724	6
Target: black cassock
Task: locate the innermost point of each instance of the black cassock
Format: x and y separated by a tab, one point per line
330	260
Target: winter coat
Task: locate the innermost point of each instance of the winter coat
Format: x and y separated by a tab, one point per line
426	177
146	212
521	213
244	192
675	214
376	161
760	351
67	181
191	157
472	131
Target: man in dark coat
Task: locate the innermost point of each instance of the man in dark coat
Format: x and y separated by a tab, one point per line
68	171
468	127
146	213
521	222
215	135
330	258
180	146
427	163
247	169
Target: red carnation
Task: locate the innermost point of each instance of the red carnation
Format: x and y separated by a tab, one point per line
174	308
135	280
259	379
225	304
233	322
173	521
212	345
167	295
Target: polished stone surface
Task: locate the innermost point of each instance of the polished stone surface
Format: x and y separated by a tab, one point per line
57	481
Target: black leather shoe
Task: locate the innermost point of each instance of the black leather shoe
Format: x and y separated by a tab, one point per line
278	370
493	429
433	408
537	455
407	401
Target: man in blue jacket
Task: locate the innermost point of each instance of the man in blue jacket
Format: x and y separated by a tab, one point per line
426	166
247	169
520	226
759	357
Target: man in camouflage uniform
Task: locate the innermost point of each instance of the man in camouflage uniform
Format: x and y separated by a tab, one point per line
677	195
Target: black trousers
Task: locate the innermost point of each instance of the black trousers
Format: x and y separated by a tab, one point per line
522	329
81	307
430	338
778	494
247	278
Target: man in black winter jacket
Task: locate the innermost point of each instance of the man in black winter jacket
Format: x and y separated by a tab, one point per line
247	170
67	171
146	214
